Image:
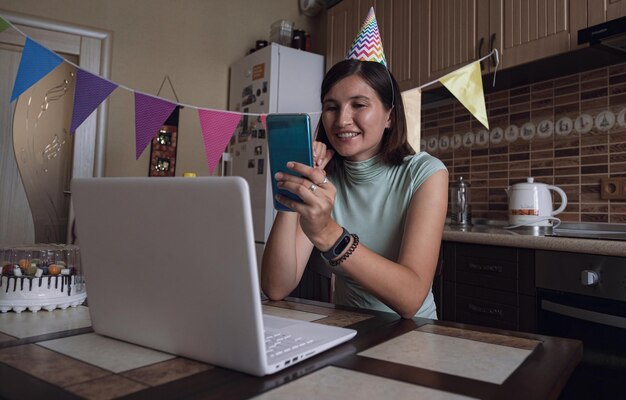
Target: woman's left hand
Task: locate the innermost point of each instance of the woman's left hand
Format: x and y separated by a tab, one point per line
317	194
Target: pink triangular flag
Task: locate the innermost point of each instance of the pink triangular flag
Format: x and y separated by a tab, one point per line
150	114
217	129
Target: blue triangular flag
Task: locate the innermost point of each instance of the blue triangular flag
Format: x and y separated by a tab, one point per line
36	62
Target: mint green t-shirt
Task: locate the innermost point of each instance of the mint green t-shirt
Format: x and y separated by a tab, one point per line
372	201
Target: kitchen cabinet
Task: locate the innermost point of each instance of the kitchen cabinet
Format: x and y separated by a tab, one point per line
398	29
426	39
488	285
599	11
461	31
342	26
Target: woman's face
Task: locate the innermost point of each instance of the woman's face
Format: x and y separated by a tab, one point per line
354	119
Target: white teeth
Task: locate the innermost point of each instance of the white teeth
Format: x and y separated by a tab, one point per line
345	135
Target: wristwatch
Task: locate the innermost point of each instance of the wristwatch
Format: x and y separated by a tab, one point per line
337	248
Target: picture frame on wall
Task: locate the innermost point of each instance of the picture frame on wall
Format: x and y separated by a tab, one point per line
163	147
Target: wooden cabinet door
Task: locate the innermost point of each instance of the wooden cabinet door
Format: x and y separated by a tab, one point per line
404	43
342	26
397	28
453	33
600	11
527	30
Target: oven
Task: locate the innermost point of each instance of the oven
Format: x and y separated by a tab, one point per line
583	296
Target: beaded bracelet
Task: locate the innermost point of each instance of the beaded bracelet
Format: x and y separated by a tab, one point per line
345	255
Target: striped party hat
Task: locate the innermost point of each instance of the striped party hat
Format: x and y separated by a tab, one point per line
367	45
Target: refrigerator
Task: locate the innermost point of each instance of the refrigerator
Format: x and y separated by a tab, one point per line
274	79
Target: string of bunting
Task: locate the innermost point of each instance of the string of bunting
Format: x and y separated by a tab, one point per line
217	126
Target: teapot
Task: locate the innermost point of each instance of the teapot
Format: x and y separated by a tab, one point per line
530	203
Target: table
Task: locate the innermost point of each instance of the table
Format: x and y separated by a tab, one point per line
57	355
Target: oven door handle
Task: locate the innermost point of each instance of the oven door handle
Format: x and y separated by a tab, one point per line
586	315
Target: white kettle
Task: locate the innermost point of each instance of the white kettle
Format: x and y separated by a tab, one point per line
530	204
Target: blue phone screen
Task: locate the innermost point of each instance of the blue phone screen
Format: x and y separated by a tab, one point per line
289	139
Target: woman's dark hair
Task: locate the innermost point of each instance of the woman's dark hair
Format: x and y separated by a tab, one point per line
394	142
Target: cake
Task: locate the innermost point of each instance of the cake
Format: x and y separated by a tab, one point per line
42	276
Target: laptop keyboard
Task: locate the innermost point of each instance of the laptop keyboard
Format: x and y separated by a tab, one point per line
277	343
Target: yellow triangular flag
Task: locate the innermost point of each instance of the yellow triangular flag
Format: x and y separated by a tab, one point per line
412	100
4	24
466	84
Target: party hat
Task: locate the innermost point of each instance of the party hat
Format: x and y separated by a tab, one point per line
367	45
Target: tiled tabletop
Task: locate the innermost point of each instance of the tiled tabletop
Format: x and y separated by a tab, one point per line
388	356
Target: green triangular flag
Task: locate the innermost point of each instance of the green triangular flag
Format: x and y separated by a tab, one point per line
4	24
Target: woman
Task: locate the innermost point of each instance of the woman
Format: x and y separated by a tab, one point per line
392	201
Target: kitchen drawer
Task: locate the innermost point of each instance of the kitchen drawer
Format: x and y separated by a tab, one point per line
493	308
486	313
487	272
501	268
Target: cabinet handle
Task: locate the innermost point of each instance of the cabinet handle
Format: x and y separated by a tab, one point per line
480	51
485	268
486	310
493	56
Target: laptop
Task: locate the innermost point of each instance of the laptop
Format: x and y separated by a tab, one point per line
170	264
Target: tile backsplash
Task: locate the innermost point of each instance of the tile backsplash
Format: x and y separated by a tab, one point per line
569	132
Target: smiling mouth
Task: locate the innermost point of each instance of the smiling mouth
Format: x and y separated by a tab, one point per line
347	135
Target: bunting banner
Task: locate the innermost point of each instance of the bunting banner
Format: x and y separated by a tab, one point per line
4	25
91	90
217	128
36	62
150	114
466	84
412	100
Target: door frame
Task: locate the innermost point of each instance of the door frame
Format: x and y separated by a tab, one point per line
93	48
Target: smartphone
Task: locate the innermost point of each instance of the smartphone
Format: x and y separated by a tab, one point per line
288	139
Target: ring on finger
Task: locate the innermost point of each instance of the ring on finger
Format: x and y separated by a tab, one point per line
324	181
313	187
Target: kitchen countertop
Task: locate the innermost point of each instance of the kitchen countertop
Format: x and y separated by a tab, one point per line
493	233
390	357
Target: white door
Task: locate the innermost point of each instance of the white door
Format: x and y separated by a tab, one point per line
35	207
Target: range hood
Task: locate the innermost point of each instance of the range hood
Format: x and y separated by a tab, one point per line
610	34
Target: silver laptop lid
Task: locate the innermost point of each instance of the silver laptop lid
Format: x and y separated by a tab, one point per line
170	264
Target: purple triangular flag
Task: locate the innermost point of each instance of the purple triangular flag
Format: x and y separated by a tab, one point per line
150	114
36	62
217	128
91	90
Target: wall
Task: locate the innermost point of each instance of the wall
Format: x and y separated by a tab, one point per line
192	41
558	153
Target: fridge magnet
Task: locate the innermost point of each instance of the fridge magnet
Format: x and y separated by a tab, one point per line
258	150
247	96
260	165
261	133
244	133
254	133
251	163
